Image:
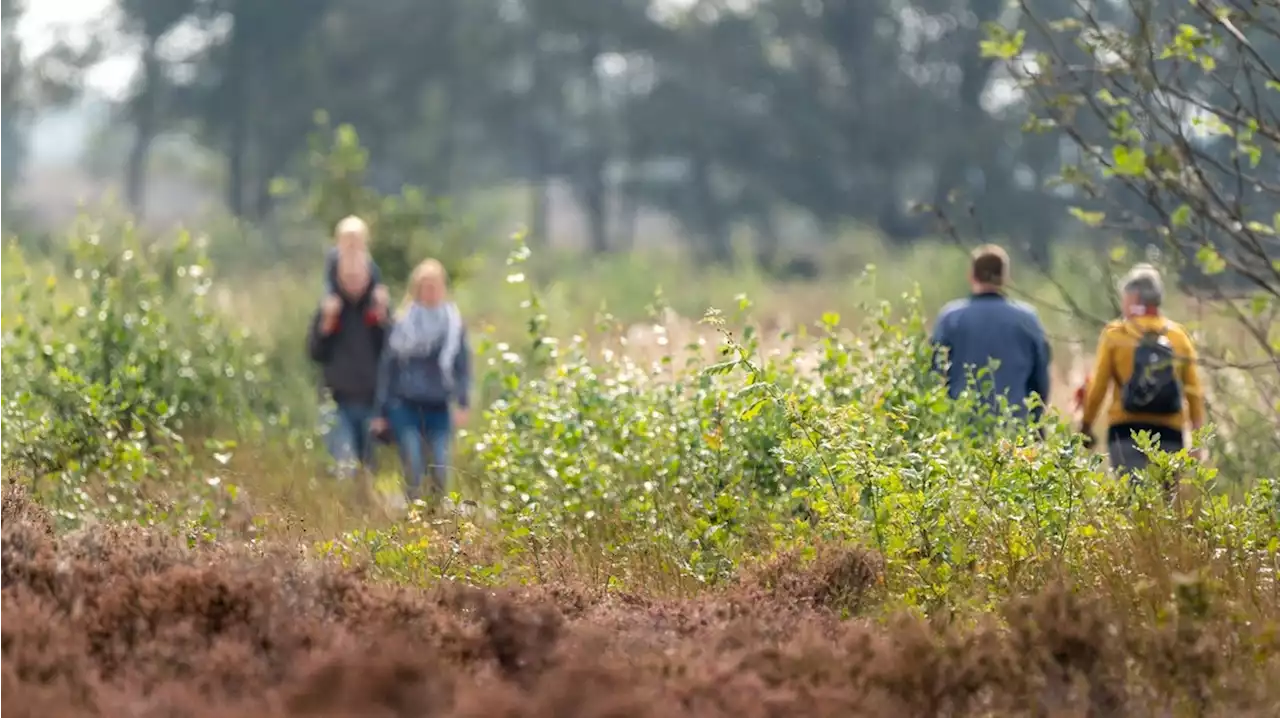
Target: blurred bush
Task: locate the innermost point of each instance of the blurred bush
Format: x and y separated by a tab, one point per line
111	362
405	228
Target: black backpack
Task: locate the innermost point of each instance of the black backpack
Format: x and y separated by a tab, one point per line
1154	387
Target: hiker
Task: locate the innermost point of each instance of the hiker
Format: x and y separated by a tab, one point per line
351	248
1149	364
346	337
988	325
425	370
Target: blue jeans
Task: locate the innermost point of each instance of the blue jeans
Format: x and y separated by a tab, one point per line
419	429
348	437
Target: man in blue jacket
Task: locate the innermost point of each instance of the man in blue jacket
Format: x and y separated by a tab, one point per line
988	326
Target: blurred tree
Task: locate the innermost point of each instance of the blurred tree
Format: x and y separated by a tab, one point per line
724	115
149	21
13	104
421	86
406	227
253	90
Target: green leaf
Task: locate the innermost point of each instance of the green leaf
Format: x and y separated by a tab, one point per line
1002	45
831	319
282	187
1092	219
1105	97
1129	162
754	410
1210	261
723	367
1181	216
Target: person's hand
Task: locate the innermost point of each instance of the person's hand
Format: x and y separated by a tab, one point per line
330	307
1087	435
1200	454
380	308
461	415
378	425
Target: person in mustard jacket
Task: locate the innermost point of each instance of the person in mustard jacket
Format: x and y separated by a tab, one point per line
1148	363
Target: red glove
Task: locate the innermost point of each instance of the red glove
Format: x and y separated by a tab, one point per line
1082	391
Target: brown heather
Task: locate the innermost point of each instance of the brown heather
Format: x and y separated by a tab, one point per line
117	621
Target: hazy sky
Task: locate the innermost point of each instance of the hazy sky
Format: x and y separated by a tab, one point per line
43	19
40	18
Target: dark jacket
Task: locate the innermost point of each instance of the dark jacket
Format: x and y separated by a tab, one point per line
421	381
350	354
983	327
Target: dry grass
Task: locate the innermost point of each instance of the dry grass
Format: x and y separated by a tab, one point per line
654	342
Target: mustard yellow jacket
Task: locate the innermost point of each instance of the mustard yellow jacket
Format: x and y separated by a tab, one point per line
1114	365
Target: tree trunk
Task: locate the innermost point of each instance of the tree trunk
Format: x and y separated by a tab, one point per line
768	241
537	151
145	124
538	212
976	74
239	98
594	182
593	200
707	211
446	157
628	217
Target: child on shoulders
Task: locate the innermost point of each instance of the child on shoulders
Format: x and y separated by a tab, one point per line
349	257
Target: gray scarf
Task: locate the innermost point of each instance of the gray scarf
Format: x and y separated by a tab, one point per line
421	330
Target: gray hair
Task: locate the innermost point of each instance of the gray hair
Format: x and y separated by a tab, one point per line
1143	281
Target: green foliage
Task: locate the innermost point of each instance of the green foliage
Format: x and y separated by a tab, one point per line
109	366
596	465
1002	44
421	549
405	228
678	471
654	467
1183	180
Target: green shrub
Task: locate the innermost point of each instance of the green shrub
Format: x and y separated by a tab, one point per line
597	467
108	367
678	472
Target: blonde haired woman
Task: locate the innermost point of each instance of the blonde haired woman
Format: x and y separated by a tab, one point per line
425	372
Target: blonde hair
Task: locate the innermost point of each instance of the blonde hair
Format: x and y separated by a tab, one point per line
351	224
426	269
